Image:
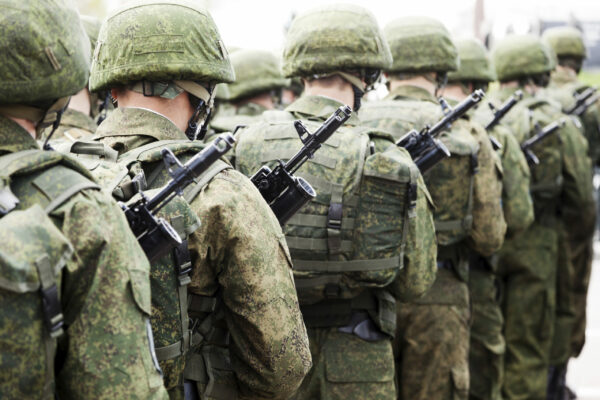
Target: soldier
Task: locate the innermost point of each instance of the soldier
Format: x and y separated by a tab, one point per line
78	119
569	47
487	346
370	224
161	61
432	339
74	283
559	184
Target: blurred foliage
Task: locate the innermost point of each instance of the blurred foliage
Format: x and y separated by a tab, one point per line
590	77
96	8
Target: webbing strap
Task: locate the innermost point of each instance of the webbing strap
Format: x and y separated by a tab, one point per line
202	304
286	154
323	186
464	224
317	244
547	186
204	179
68	193
195	370
317	221
169	352
334	220
347	266
324	280
51	307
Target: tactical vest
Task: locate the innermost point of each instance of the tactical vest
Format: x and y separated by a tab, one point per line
546	178
351	237
451	184
32	255
143	168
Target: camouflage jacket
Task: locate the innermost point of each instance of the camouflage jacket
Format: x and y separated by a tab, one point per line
563	85
239	258
104	292
488	226
562	182
418	272
74	125
243	115
516	200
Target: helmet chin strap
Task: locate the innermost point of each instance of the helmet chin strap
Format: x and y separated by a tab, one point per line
192	128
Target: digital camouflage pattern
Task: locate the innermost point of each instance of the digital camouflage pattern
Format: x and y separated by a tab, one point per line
256	301
177	40
74	125
53	46
105	289
334	37
566	41
366	368
474	63
420	44
522	55
256	71
531	260
227	119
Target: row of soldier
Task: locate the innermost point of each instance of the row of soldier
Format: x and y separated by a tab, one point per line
464	278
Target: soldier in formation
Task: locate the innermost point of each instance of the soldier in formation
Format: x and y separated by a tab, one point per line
459	278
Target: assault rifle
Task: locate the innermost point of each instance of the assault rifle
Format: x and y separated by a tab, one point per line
156	236
537	138
583	101
284	192
423	147
499	113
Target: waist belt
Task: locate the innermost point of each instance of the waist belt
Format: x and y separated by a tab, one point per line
337	312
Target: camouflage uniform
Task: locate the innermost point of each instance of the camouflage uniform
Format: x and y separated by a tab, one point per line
487	345
341	267
568	45
256	72
67	254
432	338
531	260
245	336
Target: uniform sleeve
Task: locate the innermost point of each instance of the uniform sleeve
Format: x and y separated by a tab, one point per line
242	253
489	226
420	253
106	353
516	199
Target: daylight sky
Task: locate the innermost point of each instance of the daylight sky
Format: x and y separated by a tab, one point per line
260	23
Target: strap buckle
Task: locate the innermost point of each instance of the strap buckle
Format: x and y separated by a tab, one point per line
53	316
183	261
334	216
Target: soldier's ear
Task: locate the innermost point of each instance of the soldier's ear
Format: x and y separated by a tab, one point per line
114	93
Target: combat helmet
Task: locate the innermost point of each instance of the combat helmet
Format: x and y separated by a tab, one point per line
45	60
522	56
475	65
162	48
256	71
420	44
340	39
566	41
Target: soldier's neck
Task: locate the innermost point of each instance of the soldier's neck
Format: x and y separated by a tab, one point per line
455	91
264	99
332	87
29	126
419	81
529	88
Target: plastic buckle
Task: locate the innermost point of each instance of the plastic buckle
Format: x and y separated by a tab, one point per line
334	216
53	316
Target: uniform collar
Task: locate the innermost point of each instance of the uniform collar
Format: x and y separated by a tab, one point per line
411	92
563	76
250	109
14	138
319	108
139	122
76	119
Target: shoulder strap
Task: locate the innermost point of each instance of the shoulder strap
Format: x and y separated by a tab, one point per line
204	179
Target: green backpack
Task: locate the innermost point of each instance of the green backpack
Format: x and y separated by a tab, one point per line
352	236
123	176
32	255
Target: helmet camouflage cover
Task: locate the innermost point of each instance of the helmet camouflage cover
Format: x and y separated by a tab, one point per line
255	71
522	55
45	51
475	63
159	40
332	38
420	44
566	41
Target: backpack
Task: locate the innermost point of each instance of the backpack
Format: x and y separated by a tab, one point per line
32	255
123	176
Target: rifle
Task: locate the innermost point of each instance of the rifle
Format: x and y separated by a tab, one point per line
583	101
423	147
499	113
284	192
537	138
156	236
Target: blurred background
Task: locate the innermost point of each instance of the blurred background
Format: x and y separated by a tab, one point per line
262	24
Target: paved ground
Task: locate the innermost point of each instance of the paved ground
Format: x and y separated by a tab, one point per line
584	372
